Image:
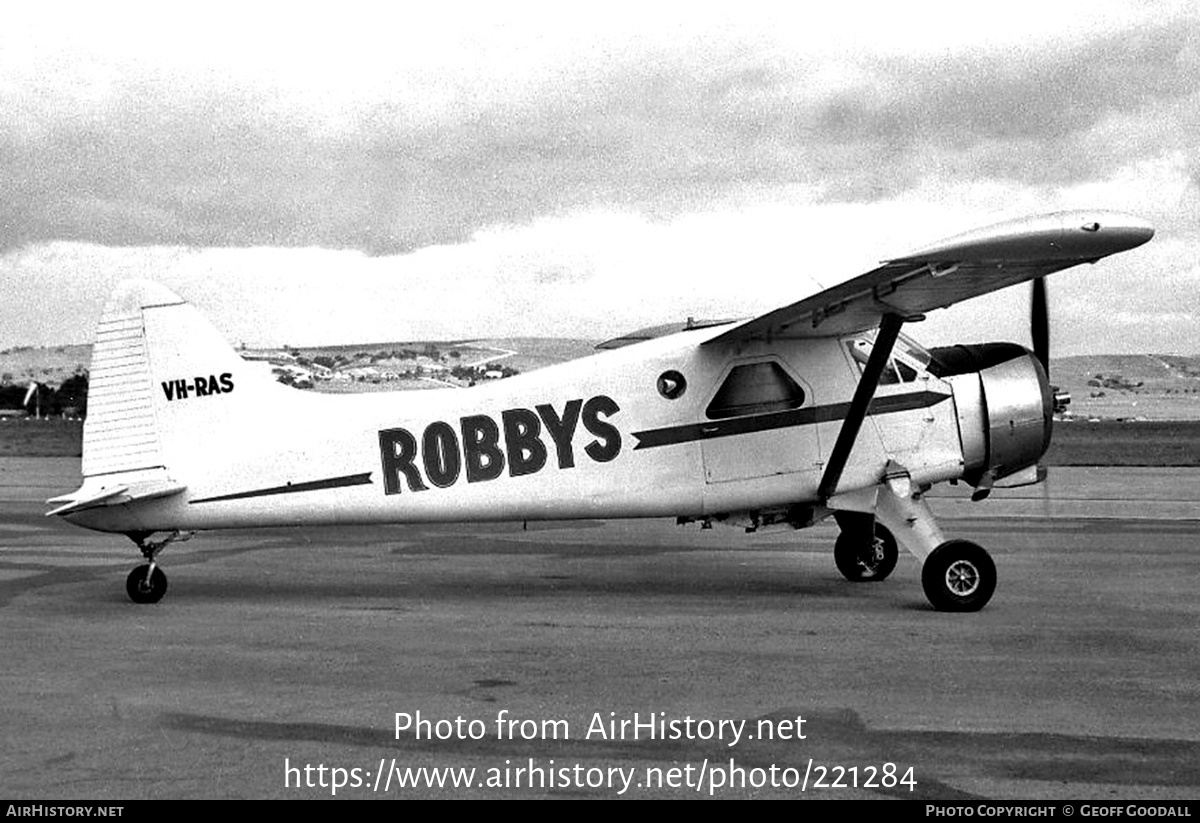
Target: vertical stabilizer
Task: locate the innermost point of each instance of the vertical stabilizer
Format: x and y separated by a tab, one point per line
161	395
162	385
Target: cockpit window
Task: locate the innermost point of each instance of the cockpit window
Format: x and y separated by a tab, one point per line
914	350
896	370
755	388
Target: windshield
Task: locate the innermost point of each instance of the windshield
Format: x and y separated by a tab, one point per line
905	346
906	354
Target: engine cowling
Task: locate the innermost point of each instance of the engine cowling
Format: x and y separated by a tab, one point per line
1005	408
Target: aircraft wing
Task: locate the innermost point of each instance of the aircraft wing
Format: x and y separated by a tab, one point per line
944	273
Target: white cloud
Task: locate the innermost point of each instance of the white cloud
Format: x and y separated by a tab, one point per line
593	274
563	174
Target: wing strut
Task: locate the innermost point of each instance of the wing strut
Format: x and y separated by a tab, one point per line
881	351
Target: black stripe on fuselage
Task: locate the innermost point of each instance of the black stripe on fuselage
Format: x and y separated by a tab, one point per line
308	486
889	404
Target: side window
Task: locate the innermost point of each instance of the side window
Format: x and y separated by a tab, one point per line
755	388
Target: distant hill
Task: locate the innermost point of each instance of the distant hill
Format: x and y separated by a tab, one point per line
538	352
52	364
1130	386
55	364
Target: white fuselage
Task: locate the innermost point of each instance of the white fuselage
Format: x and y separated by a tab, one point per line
590	438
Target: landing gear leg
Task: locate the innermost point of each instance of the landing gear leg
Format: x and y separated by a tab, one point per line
147	583
957	575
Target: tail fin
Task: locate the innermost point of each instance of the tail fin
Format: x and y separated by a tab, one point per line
157	367
152	349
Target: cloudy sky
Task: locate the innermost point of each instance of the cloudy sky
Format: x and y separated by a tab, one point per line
373	172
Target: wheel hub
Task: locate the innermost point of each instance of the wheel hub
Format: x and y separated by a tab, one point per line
962	578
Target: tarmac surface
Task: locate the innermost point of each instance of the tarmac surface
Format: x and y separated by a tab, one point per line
277	649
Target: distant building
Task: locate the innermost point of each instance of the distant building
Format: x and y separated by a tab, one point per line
267	354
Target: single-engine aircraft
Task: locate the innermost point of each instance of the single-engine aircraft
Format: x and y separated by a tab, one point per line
821	408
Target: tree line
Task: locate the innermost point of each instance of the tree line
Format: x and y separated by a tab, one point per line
68	399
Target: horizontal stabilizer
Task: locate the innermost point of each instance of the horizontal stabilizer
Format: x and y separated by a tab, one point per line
89	496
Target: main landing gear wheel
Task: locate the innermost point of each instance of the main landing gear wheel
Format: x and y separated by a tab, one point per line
862	558
146	584
959	576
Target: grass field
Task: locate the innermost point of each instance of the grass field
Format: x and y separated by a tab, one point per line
41	438
1106	443
1109	443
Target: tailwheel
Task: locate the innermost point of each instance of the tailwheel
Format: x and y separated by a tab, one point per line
959	576
863	555
146	584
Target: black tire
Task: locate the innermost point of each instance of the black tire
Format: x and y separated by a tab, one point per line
145	586
861	560
959	576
